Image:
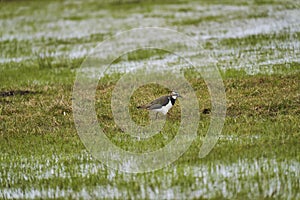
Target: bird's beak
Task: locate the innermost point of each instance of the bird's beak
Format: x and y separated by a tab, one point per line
180	96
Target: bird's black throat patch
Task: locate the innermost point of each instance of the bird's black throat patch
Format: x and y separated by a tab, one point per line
172	100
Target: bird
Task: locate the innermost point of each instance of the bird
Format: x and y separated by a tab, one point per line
162	104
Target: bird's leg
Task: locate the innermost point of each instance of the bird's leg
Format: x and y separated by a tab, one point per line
156	115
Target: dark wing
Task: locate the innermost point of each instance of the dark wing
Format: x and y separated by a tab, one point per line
155	106
157	103
164	100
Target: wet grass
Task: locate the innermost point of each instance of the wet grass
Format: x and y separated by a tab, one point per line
141	54
256	157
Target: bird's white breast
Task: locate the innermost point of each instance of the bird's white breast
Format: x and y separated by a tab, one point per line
165	108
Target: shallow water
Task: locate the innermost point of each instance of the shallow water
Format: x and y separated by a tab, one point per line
261	177
70	33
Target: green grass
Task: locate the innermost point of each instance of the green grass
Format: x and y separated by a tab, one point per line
38	133
141	54
42	156
193	21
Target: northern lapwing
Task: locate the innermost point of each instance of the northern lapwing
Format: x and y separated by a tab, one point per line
162	104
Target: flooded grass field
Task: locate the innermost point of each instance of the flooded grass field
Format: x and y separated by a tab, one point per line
254	44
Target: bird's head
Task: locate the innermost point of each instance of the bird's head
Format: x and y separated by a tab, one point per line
175	94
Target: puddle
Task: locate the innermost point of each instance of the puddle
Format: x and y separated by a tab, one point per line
218	22
261	177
